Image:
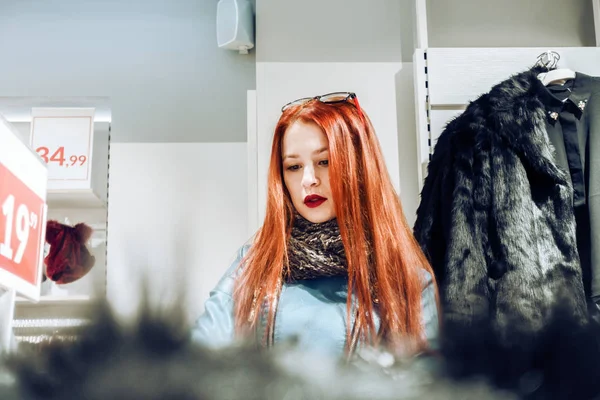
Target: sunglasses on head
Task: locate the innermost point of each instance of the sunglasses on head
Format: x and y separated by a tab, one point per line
329	98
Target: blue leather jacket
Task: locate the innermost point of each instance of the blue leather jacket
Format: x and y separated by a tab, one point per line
311	311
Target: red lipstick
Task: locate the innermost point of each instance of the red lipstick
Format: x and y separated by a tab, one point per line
314	200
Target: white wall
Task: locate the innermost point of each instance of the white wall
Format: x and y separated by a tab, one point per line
382	30
177	213
357	46
374	84
156	60
407	142
329	30
510	23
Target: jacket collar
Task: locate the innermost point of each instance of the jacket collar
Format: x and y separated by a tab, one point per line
573	98
518	113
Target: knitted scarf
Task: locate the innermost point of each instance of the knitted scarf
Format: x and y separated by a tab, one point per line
315	250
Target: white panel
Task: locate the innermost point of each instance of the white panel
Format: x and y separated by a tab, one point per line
177	215
421	114
439	119
457	76
279	83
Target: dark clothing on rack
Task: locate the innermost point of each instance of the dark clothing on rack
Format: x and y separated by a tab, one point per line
568	131
593	177
585	126
496	217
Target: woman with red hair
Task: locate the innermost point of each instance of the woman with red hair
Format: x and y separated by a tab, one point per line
334	265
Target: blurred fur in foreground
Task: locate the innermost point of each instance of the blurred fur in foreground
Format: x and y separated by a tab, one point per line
154	358
561	362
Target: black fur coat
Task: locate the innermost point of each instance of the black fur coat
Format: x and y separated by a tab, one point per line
496	219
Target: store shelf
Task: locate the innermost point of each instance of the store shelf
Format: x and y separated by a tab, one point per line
45	323
74	198
55	300
55	307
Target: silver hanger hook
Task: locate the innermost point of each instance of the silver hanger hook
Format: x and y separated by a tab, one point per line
548	59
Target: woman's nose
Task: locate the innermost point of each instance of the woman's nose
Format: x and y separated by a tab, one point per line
309	178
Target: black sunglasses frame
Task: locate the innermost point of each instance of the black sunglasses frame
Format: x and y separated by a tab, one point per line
304	100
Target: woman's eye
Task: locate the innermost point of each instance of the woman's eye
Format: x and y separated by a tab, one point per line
293	167
324	162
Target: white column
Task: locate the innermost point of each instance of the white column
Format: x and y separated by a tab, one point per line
596	5
421	37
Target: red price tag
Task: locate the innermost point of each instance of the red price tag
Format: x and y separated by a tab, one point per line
21	213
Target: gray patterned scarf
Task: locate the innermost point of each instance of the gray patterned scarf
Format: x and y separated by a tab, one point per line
315	250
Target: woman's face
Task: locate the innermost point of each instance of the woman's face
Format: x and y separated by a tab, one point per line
305	155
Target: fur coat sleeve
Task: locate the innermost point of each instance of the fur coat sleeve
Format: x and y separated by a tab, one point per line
496	218
452	221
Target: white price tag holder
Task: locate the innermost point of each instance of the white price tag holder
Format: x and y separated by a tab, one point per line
23	213
64	138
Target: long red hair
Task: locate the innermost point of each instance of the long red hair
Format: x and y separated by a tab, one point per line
384	260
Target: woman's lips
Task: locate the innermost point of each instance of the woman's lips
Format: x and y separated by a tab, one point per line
314	200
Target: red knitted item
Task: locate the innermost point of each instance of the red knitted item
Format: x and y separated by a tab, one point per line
68	259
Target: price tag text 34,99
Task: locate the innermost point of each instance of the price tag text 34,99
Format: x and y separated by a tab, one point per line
65	143
58	156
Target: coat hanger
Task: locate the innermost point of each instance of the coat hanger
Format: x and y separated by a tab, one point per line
549	60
